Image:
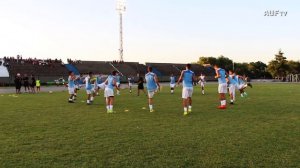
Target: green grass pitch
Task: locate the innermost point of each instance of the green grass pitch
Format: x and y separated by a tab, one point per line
43	130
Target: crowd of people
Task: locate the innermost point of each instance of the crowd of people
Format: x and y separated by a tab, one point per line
33	61
117	61
70	61
229	82
30	84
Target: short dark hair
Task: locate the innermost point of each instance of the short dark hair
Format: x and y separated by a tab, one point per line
70	72
188	66
114	73
90	73
150	68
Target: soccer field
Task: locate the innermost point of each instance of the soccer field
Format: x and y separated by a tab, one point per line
43	130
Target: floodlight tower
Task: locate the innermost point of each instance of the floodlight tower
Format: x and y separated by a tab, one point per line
121	8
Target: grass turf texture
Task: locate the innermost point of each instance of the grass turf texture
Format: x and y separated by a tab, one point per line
259	131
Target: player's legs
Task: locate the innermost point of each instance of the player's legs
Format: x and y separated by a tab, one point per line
71	93
232	93
150	100
88	101
222	97
111	104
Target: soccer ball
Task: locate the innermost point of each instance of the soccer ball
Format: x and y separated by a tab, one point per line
50	92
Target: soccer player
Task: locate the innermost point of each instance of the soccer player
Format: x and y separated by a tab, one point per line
172	83
32	84
110	83
26	83
71	86
152	85
232	85
187	77
117	76
130	82
222	89
77	83
242	86
89	88
202	82
141	86
248	81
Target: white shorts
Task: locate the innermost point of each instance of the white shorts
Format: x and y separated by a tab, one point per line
118	84
241	86
71	90
130	84
108	92
90	91
101	86
172	85
76	87
231	89
222	88
187	92
202	84
151	94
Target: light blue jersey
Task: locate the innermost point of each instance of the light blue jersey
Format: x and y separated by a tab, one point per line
118	79
150	80
241	81
110	81
172	80
222	78
232	80
71	82
88	84
187	78
98	80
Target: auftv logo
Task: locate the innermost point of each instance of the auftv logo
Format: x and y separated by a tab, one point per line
276	13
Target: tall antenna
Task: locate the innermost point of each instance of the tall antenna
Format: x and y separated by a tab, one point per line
121	8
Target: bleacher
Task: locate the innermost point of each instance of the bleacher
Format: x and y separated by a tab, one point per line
45	73
128	68
49	72
97	67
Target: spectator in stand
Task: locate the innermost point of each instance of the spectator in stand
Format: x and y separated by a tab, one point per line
18	83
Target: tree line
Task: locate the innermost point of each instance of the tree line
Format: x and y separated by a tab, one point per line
277	68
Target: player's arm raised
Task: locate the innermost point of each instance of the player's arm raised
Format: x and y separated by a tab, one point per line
180	78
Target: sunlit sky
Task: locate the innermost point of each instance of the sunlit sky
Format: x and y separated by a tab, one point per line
177	31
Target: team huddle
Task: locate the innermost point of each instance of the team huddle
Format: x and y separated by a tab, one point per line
227	82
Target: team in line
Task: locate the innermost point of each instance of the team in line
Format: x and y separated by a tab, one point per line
227	82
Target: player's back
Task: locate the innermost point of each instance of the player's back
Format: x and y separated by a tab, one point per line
232	79
188	76
110	81
222	78
150	81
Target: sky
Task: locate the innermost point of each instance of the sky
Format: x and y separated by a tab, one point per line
178	31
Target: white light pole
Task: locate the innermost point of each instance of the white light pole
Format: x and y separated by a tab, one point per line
121	8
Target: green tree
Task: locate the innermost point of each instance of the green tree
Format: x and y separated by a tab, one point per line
207	60
294	67
278	67
224	62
